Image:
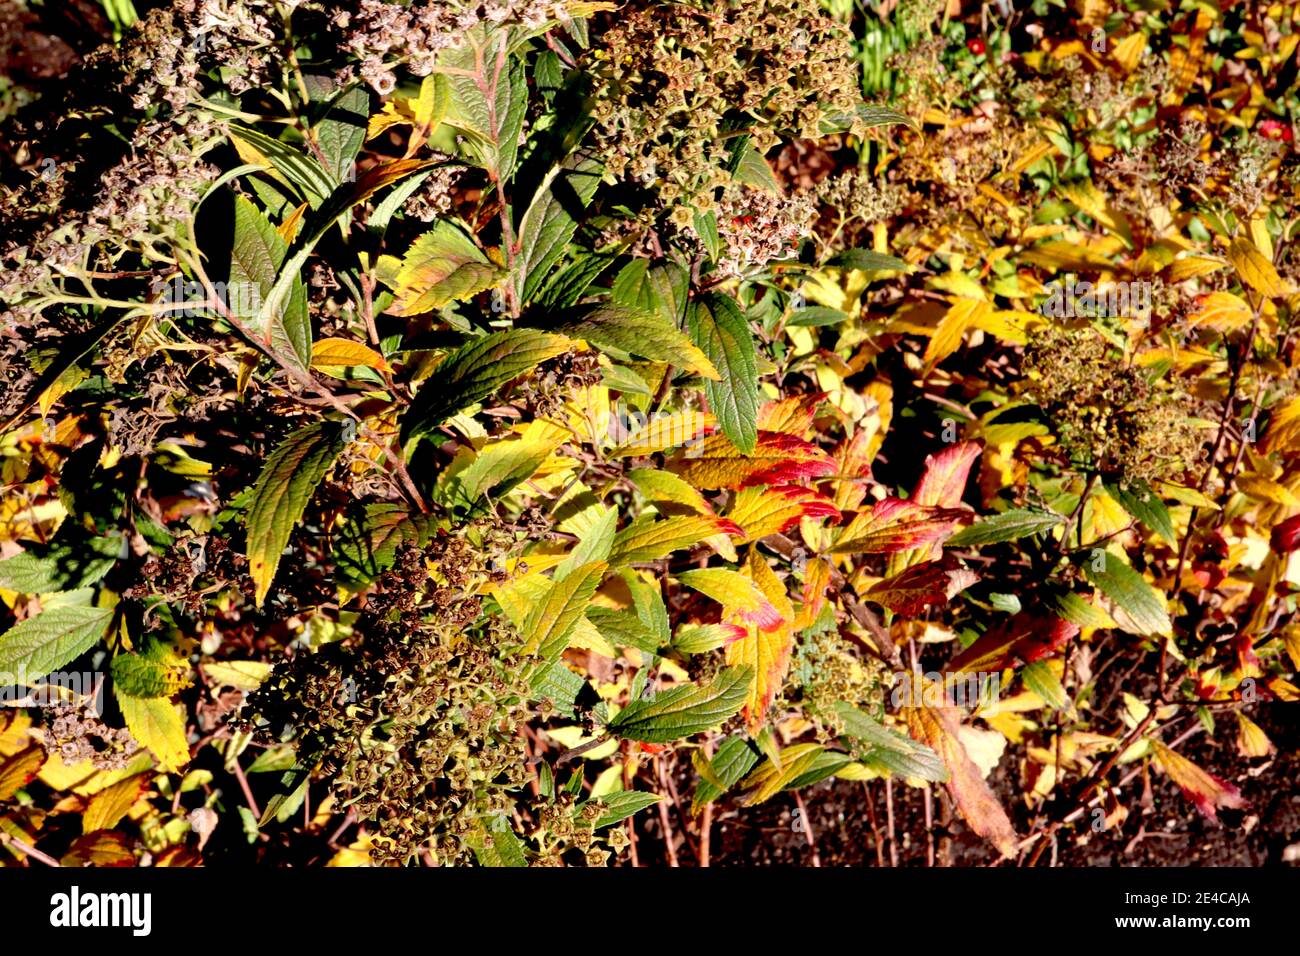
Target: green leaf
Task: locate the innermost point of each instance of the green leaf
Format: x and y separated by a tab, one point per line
1006	526
67	563
683	711
873	116
730	763
154	671
1073	608
442	266
895	752
504	848
558	684
255	259
662	289
42	644
367	545
157	723
623	629
489	96
865	259
753	170
341	133
624	332
1145	505
301	170
550	623
551	220
815	316
1038	677
1139	607
475	371
621	805
281	493
568	285
720	329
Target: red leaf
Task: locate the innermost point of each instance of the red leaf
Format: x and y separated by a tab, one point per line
934	582
945	475
896	524
1024	638
1286	536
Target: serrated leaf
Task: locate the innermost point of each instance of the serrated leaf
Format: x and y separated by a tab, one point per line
111	804
281	493
346	353
548	225
623	804
720	329
1005	526
157	724
341	133
42	644
367	545
475	371
733	760
66	564
683	711
154	672
442	266
896	752
924	585
1139	607
1143	504
623	629
19	770
550	624
766	646
939	729
257	255
649	540
489	97
625	332
776	459
1255	269
761	511
896	524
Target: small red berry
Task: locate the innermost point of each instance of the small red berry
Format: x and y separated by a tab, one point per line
976	46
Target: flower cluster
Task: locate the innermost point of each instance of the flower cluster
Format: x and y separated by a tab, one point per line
758	227
675	81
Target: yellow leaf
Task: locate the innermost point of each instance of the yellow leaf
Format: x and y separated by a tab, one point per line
960	317
772	510
1093	202
1283	428
1205	790
767	651
1255	270
19	770
113	803
1190	267
663	432
157	724
1222	311
1266	489
1251	739
738	594
768	779
664	486
241	675
346	353
288	230
1128	51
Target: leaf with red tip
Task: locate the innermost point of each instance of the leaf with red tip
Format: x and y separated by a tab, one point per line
945	475
739	595
1206	791
922	585
777	460
1023	639
766	651
764	511
895	524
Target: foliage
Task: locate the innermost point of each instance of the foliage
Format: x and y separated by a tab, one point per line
500	432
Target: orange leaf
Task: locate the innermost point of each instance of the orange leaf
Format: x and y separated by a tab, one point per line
791	416
939	727
895	524
767	651
764	511
778	459
1022	639
1206	791
935	582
